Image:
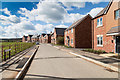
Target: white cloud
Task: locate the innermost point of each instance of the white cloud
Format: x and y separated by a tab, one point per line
95	11
49	12
46	11
5	10
70	18
61	26
9	20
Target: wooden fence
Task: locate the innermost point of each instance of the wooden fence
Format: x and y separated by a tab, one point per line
7	51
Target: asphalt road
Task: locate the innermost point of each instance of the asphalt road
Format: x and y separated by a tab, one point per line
51	63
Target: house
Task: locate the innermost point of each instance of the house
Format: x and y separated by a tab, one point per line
79	34
42	38
35	38
29	38
24	38
47	38
58	32
106	28
52	38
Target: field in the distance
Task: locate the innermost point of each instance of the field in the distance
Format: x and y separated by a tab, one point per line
14	47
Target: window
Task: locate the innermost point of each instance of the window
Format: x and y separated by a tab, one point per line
117	14
99	22
66	38
100	40
72	30
68	31
71	41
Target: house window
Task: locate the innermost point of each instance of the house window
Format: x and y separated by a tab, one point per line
72	30
99	22
100	40
71	41
117	14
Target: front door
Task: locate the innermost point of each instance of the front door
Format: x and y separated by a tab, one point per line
117	44
68	42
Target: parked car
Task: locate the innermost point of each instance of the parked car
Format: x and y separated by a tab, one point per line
37	43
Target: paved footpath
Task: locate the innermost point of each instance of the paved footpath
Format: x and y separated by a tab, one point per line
53	64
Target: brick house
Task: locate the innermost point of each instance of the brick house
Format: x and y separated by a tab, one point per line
79	34
58	32
47	38
24	38
106	28
35	38
29	38
42	38
52	38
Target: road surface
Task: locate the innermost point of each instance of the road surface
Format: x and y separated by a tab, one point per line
51	63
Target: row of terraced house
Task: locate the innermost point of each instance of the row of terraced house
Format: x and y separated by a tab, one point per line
100	33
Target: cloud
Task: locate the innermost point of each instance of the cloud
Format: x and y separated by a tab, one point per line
46	11
9	20
95	11
26	25
72	17
69	5
5	10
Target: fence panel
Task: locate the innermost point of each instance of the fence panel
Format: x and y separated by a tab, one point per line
7	51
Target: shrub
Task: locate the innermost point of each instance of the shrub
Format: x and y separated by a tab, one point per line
60	40
95	51
68	46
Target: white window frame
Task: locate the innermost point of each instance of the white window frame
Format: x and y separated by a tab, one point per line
72	41
118	14
99	36
72	30
99	23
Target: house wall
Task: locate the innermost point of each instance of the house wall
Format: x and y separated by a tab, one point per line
29	39
83	34
49	39
110	17
71	36
52	39
108	22
24	39
55	37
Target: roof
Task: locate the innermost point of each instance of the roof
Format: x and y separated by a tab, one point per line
78	22
105	10
43	34
30	35
48	34
35	36
114	30
60	31
25	36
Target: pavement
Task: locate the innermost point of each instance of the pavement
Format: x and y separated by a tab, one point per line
51	63
104	58
12	67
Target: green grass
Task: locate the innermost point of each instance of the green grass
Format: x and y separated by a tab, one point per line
15	47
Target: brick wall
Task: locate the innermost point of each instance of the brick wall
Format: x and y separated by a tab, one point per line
83	34
71	36
108	22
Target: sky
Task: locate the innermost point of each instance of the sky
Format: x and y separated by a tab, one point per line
18	18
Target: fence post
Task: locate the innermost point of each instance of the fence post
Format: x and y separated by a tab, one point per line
15	48
4	55
9	51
